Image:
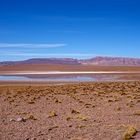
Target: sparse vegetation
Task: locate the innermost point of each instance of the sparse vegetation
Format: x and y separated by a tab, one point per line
130	132
69	118
52	114
83	118
137	112
75	108
30	117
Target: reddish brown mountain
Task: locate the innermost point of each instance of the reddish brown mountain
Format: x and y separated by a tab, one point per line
97	61
111	61
67	61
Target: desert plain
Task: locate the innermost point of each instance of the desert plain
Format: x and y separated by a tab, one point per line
107	110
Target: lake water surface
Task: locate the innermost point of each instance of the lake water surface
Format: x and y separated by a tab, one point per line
57	78
62	76
52	78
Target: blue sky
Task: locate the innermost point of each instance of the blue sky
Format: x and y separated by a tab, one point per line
69	28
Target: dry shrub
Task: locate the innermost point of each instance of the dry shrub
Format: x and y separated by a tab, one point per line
130	132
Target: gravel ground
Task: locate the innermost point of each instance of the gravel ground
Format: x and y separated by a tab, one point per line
82	111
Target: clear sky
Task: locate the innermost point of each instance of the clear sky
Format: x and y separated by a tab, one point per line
69	28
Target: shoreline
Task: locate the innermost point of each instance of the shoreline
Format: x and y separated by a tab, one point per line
64	72
46	83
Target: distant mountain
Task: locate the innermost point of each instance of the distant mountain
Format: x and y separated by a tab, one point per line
96	61
67	61
111	61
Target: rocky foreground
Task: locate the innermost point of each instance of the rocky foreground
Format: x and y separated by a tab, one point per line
82	111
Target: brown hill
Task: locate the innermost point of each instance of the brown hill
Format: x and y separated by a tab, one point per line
67	61
111	61
96	61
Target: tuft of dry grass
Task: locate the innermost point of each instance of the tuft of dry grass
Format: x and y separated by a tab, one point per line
52	114
118	109
22	113
81	126
83	118
30	117
137	112
130	132
69	118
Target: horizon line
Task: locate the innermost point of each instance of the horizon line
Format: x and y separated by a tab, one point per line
103	56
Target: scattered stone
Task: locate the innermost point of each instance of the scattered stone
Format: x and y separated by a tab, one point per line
75	111
31	102
20	120
12	120
70	125
53	127
57	101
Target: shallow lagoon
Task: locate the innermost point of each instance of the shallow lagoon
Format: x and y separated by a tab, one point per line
53	78
62	76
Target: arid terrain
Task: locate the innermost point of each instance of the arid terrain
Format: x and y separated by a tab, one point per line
70	111
95	61
69	69
60	67
128	72
37	110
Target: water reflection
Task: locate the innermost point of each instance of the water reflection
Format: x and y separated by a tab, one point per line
57	78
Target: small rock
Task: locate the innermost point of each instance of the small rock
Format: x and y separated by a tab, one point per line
12	120
3	121
20	120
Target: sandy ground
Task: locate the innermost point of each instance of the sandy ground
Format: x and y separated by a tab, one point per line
60	67
74	111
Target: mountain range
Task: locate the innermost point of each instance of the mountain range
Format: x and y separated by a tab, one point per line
96	61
